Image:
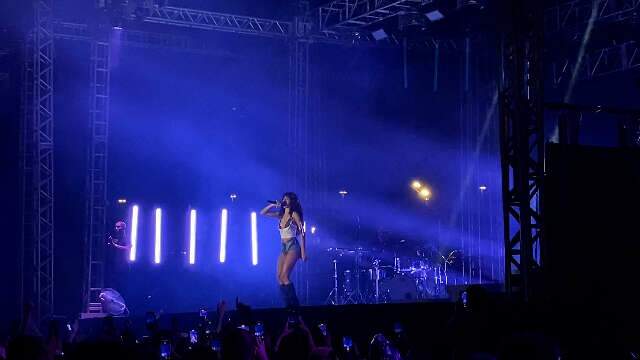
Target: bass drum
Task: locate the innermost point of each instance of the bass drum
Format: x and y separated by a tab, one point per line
398	289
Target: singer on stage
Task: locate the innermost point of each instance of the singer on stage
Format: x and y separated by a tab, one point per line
291	226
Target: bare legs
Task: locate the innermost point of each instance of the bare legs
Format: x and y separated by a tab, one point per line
286	263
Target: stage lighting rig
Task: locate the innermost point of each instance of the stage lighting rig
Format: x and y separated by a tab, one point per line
118	12
423	191
425	194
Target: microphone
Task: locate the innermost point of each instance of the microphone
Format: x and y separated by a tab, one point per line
273	202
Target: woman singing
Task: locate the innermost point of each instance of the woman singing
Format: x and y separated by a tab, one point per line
291	226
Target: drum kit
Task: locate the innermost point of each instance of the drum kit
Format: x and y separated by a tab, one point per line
369	276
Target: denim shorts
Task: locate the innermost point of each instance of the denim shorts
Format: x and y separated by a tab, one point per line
291	245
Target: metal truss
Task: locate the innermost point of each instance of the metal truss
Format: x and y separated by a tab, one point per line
521	144
600	62
27	165
578	12
309	29
37	247
96	177
299	124
299	100
356	14
354	38
208	20
144	39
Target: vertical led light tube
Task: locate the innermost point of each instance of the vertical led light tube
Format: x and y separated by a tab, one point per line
192	236
158	237
254	238
134	233
223	235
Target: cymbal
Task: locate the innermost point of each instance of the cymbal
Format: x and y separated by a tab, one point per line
348	250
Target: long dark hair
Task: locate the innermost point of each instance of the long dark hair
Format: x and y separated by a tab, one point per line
294	205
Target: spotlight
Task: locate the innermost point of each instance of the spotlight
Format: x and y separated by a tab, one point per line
122	201
425	193
343	193
416	185
379	34
313	229
482	188
434	15
233	196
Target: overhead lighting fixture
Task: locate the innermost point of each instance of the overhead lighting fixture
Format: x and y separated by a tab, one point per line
434	15
425	193
379	34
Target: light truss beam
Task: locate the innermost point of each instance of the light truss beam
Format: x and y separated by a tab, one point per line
600	62
144	39
355	14
208	20
578	12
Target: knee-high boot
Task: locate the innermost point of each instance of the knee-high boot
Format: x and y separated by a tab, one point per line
292	298
285	294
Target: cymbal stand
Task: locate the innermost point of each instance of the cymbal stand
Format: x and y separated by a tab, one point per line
376	274
356	297
334	296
